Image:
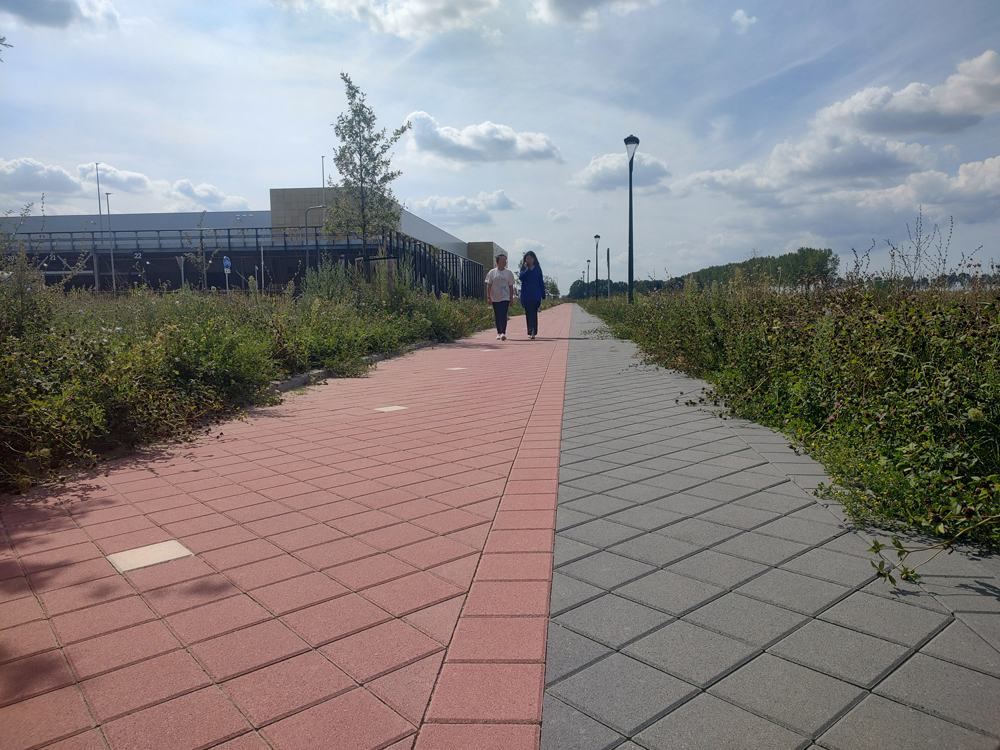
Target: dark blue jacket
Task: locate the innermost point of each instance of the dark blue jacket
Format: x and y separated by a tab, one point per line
532	284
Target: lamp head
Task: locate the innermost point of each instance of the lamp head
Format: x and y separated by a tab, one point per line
631	144
597	237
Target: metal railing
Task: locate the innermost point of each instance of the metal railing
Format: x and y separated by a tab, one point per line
272	256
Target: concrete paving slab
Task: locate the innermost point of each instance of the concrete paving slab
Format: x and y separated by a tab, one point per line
622	693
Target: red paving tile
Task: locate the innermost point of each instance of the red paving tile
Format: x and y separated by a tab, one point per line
216	619
168	573
370	571
515	566
497	598
379	650
407	690
438	621
26	640
39	721
285	688
189	594
131	689
87	741
413	592
397	506
298	593
101	618
34	675
251	648
357	719
326	622
121	648
499	639
479	736
469	693
20	611
433	551
84	594
178	724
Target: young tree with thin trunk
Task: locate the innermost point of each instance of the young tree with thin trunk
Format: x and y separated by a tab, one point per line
363	202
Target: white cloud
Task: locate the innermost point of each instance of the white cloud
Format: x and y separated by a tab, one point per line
959	103
560	216
742	21
131	182
408	19
486	142
464	210
610	172
576	11
974	193
26	179
62	13
30	177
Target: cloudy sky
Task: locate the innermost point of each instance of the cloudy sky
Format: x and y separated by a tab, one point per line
764	126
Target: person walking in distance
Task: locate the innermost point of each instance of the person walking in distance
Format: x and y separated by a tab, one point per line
500	292
532	291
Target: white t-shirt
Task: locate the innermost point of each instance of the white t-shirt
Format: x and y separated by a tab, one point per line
503	283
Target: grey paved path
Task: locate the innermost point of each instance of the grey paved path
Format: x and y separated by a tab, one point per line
703	598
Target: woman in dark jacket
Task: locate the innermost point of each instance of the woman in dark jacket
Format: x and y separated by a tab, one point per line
532	291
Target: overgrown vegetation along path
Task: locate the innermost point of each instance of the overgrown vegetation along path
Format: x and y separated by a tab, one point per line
81	373
895	388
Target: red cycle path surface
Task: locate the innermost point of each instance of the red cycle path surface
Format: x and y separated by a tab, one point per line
360	579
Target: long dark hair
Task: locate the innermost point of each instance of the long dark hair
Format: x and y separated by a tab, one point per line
534	257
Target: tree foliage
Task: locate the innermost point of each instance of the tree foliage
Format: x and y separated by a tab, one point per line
806	265
363	203
551	287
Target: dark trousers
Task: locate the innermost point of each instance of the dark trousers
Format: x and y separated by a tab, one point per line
500	313
531	313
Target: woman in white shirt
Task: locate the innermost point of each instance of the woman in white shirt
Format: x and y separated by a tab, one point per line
500	292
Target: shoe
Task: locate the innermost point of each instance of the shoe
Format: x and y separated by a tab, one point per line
503	336
498	337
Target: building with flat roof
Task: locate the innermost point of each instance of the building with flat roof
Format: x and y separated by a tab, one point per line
273	246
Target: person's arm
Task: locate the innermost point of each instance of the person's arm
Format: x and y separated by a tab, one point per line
489	293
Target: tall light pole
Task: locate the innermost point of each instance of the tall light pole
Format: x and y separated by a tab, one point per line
609	273
588	277
114	281
597	273
97	273
631	144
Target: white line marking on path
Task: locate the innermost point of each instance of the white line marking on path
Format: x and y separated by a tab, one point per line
391	408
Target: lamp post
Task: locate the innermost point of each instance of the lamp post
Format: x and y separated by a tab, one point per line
114	281
597	271
588	277
609	273
631	144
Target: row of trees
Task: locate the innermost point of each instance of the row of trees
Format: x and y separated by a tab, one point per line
805	266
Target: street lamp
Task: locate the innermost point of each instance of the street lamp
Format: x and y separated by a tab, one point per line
631	144
588	277
597	268
114	241
609	273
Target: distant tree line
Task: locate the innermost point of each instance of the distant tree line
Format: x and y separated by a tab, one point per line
807	265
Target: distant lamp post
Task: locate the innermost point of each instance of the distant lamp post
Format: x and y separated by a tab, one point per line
588	278
597	268
609	273
114	241
631	144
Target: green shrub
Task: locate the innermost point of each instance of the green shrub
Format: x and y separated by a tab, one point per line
80	373
893	384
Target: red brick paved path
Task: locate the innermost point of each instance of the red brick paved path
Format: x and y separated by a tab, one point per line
336	548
